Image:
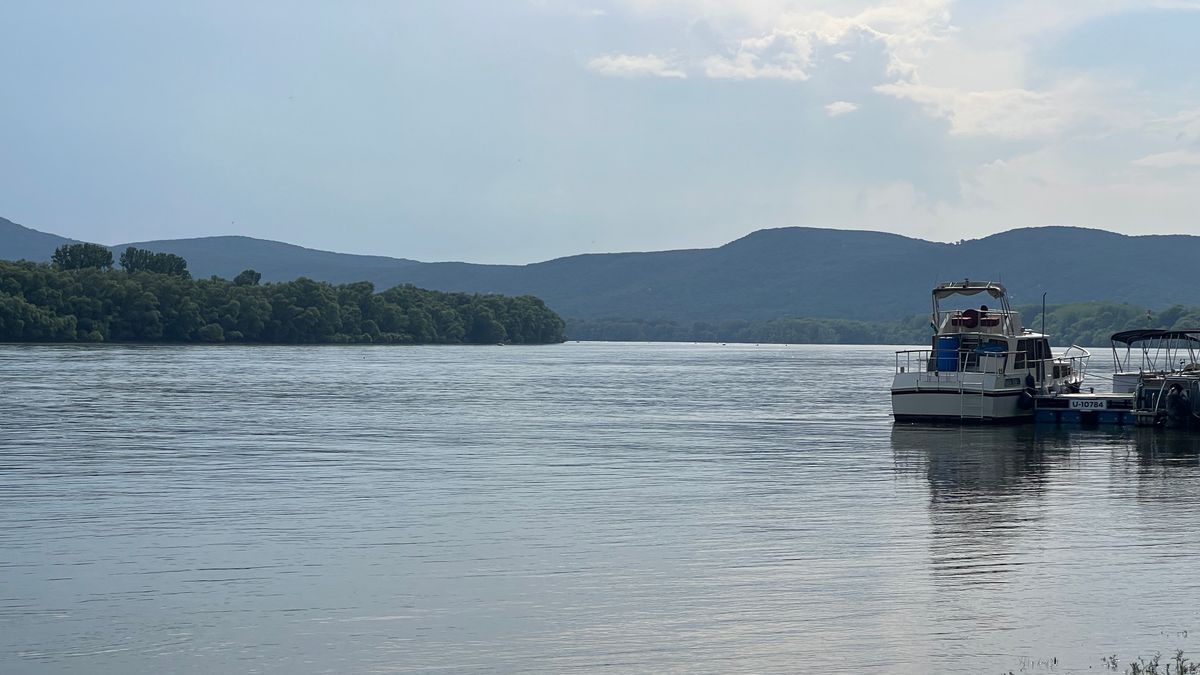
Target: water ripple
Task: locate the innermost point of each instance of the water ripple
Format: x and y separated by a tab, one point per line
584	507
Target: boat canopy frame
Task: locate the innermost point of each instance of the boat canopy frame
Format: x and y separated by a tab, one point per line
1005	319
968	287
1166	344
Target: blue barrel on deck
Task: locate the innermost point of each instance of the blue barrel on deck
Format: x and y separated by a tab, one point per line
947	353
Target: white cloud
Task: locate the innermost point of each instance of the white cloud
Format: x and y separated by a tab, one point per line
778	39
783	46
781	55
750	67
1007	113
1169	160
1182	127
629	65
975	73
983	69
840	108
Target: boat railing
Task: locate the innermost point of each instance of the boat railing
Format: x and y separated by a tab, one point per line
937	360
1076	359
1072	361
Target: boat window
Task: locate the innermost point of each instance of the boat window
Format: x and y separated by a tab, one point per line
1022	346
993	347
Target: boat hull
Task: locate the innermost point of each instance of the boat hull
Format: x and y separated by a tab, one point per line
966	407
920	402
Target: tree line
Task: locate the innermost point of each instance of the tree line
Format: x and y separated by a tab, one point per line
80	297
781	331
95	256
1084	323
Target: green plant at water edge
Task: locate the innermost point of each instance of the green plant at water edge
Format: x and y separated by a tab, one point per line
1179	665
1144	667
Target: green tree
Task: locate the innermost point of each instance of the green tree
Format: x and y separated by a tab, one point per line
482	326
82	256
211	333
135	259
247	278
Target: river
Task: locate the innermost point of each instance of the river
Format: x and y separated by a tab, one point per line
577	507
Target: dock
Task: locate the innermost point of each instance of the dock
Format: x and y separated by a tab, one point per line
1084	409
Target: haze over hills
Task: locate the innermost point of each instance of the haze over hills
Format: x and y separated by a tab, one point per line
777	273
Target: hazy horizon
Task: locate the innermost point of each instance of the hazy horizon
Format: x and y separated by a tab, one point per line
566	255
527	131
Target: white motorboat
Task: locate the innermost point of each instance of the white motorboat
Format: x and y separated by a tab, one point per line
982	364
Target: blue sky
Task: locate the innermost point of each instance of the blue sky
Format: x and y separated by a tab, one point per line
525	130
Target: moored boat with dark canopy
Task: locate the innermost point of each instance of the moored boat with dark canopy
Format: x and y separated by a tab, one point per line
1164	379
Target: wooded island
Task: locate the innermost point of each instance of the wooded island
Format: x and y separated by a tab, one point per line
79	297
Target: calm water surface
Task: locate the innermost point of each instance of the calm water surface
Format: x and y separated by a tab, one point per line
580	507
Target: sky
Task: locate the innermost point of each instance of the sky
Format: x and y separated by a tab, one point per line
523	130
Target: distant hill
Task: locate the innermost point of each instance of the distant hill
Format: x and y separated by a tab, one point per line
22	243
226	256
769	274
809	272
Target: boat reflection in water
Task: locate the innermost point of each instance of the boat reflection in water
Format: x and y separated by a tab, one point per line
1163	466
972	463
1034	532
988	491
1166	447
999	495
966	463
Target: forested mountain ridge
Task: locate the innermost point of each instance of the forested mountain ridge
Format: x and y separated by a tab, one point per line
766	275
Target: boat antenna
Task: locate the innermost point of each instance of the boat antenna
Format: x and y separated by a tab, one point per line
1044	313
